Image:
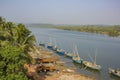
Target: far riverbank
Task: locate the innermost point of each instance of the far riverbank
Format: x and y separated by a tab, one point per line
110	30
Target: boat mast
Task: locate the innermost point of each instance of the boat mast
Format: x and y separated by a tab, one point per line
50	41
77	52
91	58
74	52
55	43
95	55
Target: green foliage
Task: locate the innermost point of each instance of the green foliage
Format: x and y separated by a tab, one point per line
23	37
15	40
11	63
109	30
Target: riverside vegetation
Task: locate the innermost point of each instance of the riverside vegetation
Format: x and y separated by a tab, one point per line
113	31
110	30
15	41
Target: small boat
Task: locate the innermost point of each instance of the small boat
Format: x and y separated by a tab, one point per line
76	58
50	46
60	51
55	47
93	64
42	43
114	72
70	55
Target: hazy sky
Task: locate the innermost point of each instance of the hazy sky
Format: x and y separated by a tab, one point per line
61	11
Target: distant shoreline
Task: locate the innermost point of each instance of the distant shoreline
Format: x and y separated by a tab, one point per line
110	30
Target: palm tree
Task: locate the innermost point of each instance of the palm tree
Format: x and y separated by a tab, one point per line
23	38
17	35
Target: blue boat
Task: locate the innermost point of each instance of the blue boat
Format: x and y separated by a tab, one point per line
76	58
50	46
60	52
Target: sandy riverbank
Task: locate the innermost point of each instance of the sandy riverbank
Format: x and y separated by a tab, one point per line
61	73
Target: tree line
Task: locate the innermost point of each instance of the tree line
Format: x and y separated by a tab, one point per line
15	42
113	31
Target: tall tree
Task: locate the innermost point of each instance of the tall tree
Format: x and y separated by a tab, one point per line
23	37
14	41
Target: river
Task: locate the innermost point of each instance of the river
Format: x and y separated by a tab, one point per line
106	48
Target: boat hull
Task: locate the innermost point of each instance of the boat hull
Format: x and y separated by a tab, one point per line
68	55
61	53
90	65
42	45
50	47
54	48
78	61
113	72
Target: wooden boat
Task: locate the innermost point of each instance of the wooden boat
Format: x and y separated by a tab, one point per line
92	65
43	67
76	58
114	72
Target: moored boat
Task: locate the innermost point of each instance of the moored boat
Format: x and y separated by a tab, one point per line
115	72
92	65
55	48
70	55
42	43
60	51
76	58
50	46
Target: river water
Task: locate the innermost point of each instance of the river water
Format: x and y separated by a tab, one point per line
106	48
